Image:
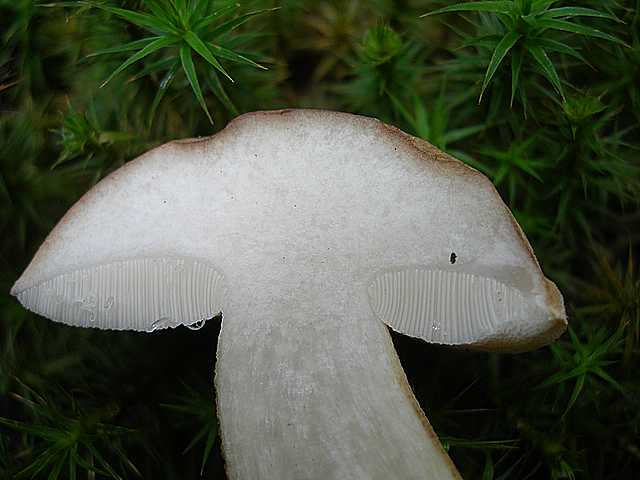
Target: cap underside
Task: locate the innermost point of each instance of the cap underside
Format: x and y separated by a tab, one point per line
144	294
453	307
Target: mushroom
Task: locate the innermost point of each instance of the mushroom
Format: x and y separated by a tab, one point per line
311	231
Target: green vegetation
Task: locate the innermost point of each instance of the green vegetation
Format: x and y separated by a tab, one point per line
542	96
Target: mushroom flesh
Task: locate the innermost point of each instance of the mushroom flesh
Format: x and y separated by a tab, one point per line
311	231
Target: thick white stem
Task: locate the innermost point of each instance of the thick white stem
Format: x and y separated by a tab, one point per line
316	391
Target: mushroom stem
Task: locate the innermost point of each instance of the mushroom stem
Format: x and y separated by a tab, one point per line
316	390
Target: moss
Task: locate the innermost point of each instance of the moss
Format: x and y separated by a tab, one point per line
557	130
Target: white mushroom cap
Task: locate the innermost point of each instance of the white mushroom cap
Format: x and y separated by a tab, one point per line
305	228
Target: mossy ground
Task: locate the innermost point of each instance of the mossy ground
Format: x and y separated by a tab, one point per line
542	96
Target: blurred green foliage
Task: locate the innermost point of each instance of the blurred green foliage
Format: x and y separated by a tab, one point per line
86	86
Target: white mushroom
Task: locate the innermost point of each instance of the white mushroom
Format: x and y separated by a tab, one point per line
308	230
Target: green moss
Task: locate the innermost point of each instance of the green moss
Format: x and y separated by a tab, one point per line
557	131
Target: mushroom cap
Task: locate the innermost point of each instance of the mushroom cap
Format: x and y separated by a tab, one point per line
279	198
